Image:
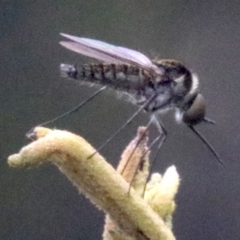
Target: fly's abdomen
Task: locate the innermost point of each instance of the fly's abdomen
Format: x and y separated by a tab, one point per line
119	76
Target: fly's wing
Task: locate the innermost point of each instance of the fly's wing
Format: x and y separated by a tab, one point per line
108	53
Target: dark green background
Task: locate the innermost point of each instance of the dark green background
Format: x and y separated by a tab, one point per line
40	203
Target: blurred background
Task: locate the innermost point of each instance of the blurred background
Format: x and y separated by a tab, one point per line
40	203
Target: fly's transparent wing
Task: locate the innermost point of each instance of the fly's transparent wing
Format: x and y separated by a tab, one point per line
108	53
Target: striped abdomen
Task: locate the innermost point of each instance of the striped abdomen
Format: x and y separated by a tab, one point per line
118	76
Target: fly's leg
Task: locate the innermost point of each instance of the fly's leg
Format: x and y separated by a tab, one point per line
137	144
75	109
162	137
141	161
124	125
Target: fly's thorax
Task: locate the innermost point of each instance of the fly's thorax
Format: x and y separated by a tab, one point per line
171	87
182	80
160	95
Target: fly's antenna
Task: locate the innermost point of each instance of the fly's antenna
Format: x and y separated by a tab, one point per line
204	140
75	109
208	120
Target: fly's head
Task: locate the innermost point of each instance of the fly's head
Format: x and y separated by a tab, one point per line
184	92
193	110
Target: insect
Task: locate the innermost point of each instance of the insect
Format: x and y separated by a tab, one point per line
155	85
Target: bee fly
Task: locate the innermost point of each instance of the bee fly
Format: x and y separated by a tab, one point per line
155	85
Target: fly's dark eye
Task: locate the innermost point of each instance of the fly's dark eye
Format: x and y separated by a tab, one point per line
195	110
